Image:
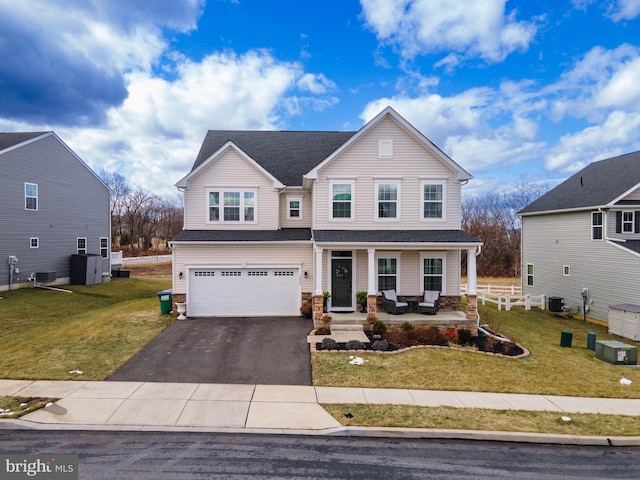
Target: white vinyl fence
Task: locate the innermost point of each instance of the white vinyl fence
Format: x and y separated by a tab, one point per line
507	296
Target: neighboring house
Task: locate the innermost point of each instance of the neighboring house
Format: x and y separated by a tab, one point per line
272	219
584	235
53	206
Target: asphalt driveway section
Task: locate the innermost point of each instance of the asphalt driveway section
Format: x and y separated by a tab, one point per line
255	350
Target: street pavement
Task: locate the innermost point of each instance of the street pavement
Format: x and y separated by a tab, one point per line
294	409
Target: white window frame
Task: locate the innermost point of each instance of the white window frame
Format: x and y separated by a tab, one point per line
627	225
595	226
241	206
530	277
389	255
434	255
34	242
104	251
566	270
294	198
379	183
352	212
27	196
79	249
385	148
443	184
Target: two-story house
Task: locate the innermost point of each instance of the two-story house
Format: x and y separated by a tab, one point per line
53	206
581	240
274	218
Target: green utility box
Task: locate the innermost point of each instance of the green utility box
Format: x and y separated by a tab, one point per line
616	353
166	301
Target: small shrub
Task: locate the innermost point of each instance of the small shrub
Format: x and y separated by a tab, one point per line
306	310
464	336
329	344
378	328
354	345
371	318
427	336
326	318
451	335
406	327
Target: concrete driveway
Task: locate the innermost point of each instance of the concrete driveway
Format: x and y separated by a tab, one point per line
269	351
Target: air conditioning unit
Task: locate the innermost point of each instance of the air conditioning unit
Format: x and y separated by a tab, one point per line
46	276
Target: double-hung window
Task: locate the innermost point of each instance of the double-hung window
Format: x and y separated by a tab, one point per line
433	273
432	200
31	196
627	222
104	247
342	200
294	208
530	274
387	200
231	206
596	225
387	274
81	245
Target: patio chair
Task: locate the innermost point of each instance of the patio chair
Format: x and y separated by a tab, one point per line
391	303
430	302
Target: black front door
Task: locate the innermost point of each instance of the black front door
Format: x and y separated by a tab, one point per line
341	294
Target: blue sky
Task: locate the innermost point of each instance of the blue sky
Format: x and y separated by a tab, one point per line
515	91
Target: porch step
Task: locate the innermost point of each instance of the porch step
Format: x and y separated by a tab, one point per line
343	327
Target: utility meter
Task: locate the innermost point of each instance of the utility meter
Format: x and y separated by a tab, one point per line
13	260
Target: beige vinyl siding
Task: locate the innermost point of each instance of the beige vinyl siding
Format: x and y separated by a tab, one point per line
635	195
411	165
552	241
229	171
305	221
254	254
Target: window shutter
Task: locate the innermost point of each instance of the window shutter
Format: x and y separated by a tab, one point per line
618	222
636	221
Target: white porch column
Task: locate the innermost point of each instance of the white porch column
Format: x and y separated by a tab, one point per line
371	272
472	280
317	268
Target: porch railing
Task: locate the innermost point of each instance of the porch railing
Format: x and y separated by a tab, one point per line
507	301
495	289
116	258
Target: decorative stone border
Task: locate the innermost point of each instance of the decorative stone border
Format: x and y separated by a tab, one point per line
525	352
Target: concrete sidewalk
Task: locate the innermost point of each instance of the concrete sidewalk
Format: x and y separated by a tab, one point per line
272	408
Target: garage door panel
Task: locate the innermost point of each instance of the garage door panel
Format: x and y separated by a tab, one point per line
243	292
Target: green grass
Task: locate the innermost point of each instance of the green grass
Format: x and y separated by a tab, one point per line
17	408
550	369
404	416
95	329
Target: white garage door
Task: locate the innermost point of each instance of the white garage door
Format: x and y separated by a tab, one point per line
243	292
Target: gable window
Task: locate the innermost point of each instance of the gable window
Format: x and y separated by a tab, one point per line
596	225
31	196
627	222
387	200
433	273
34	242
530	274
231	205
342	200
81	246
104	247
294	208
387	274
432	200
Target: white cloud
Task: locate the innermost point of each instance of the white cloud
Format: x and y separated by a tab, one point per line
619	134
478	28
317	84
625	10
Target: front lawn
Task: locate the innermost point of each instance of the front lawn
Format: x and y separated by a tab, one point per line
46	334
550	369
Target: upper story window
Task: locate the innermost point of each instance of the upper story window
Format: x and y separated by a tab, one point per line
294	208
596	225
232	205
433	200
104	247
81	246
342	200
387	195
31	196
627	222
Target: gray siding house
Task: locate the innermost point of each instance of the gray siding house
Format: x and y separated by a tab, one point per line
53	206
584	236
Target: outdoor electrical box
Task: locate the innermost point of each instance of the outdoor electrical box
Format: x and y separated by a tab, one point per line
585	292
616	353
13	260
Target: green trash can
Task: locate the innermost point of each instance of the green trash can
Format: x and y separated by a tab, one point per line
166	301
565	339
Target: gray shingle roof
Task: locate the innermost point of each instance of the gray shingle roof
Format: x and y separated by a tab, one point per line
14	138
393	236
282	235
285	155
597	184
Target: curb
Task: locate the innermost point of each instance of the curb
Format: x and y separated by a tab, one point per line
365	432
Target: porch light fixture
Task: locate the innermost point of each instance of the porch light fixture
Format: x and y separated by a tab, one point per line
306	275
180	275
